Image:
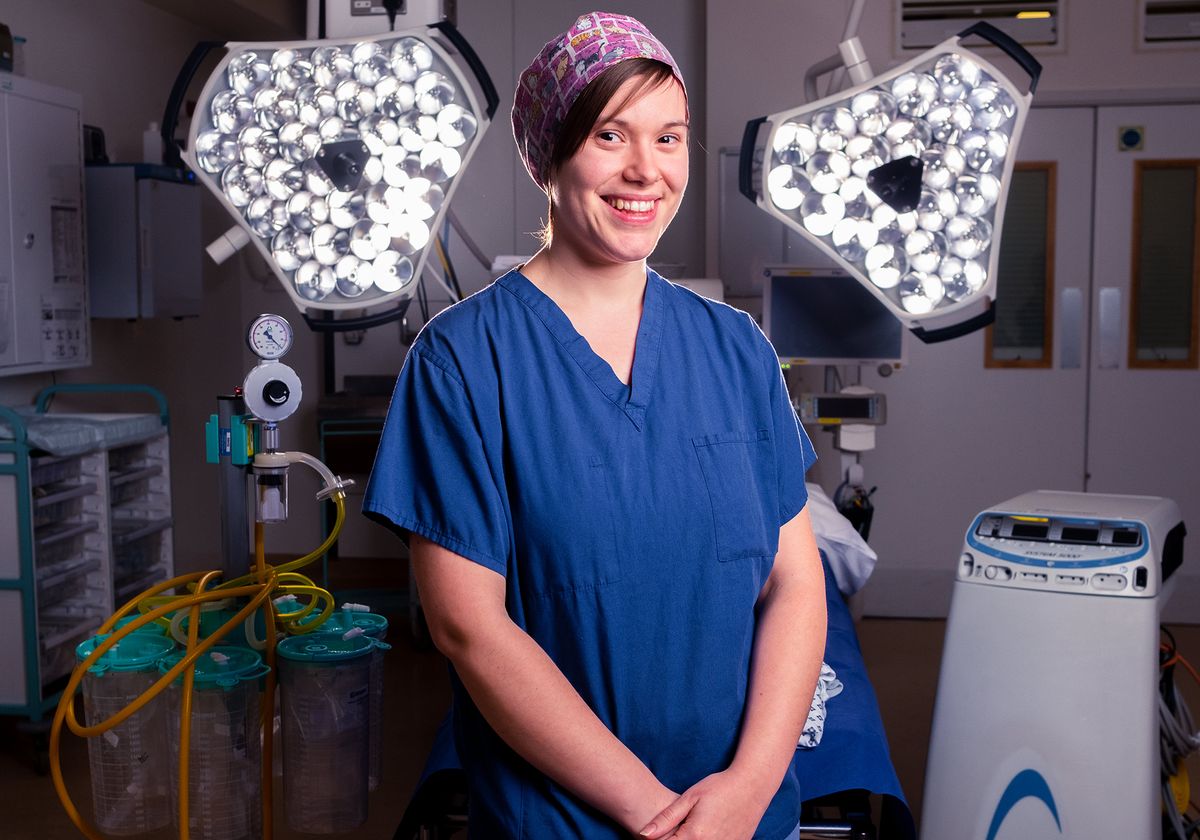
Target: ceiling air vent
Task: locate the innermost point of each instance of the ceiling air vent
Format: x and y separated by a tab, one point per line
1170	21
925	23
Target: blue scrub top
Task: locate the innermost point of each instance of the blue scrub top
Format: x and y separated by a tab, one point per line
635	526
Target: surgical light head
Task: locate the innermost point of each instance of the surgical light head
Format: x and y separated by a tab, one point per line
338	158
901	179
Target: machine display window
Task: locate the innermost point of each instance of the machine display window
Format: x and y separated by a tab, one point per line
1126	538
1084	535
844	407
1027	531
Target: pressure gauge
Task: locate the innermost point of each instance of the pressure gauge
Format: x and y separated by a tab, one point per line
270	336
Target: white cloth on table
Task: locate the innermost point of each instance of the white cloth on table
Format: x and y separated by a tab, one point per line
828	686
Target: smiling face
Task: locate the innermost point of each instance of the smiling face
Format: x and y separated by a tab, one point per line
614	197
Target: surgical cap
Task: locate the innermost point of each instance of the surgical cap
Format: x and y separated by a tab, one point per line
563	68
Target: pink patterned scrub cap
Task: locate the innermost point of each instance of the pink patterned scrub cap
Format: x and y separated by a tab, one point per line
564	67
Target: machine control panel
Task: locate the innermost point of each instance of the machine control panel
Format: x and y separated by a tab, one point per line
1058	553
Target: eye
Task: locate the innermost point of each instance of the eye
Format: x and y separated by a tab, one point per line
607	135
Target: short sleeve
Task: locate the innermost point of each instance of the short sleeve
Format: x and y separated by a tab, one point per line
794	451
432	475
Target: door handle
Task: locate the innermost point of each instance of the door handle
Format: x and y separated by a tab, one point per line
1071	356
1109	355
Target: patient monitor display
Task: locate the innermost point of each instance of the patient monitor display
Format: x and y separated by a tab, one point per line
823	316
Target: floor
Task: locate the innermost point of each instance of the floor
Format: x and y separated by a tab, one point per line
902	658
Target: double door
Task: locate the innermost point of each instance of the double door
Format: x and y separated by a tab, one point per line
1107	403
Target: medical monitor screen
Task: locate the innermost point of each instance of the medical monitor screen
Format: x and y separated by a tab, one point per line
848	408
826	317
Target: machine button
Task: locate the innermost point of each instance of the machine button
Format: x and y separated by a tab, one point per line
1109	582
966	564
1034	577
1140	578
997	573
1071	580
276	392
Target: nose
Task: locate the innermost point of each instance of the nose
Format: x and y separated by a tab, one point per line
642	165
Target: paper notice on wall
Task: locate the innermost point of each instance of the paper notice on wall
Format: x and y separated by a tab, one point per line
67	245
64	330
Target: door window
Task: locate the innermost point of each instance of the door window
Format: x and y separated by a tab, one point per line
1166	265
1022	333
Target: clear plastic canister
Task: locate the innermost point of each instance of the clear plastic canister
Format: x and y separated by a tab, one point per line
375	626
225	747
128	762
325	703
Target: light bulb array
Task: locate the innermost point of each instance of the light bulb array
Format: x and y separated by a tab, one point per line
338	158
830	170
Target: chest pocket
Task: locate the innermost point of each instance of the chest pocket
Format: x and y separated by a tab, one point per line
734	466
571	528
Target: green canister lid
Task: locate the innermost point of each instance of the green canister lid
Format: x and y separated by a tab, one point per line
135	652
225	666
339	621
325	647
150	628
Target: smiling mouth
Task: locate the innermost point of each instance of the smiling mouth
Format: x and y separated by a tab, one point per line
631	206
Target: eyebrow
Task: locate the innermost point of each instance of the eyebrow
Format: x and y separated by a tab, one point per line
625	123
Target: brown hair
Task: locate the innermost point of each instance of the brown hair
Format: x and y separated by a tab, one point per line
587	108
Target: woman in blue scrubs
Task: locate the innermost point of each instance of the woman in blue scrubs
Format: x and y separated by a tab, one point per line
601	478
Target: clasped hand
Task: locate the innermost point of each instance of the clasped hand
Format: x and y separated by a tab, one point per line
722	806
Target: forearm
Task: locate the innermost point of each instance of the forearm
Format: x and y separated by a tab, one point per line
531	705
521	692
788	647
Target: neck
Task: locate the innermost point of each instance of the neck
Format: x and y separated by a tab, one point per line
572	282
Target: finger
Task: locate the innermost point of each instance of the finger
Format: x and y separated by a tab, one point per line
668	819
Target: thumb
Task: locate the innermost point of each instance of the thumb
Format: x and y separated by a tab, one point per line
667	820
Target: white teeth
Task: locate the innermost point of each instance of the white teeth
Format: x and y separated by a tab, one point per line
634	206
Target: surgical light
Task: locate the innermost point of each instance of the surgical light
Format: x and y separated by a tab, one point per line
902	178
338	158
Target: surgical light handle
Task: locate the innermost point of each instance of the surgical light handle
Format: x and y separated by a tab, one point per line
1011	47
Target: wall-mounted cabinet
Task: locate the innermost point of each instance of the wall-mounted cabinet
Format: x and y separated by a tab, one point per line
144	242
43	279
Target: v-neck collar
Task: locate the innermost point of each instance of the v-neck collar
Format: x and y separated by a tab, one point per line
632	399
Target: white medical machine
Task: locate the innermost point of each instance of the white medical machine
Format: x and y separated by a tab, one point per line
1046	723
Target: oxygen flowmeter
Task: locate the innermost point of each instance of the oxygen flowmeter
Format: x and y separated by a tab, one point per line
272	393
272	390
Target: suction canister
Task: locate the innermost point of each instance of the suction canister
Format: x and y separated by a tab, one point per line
225	747
128	762
375	626
153	628
325	703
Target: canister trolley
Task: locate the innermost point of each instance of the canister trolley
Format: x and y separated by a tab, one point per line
63	478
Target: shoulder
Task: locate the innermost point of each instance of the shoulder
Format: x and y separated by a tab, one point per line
454	337
725	323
